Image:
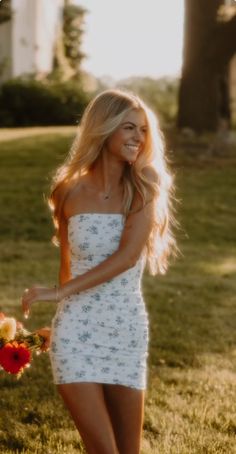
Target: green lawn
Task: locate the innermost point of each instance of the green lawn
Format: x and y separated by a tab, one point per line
191	401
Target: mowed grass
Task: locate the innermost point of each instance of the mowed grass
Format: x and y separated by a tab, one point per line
191	400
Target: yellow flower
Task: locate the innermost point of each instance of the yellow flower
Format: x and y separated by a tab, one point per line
8	328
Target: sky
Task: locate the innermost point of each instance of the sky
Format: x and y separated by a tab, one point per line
125	38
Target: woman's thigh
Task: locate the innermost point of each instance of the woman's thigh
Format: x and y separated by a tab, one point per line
85	402
126	408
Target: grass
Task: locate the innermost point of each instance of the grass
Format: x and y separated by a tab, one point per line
191	400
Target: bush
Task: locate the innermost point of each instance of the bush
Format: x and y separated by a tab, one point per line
160	94
35	103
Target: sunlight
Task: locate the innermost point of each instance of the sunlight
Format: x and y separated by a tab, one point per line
124	38
226	266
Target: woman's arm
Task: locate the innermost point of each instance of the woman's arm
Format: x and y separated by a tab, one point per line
36	293
64	276
64	272
134	237
136	231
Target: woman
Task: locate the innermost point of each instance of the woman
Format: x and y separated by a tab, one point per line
110	202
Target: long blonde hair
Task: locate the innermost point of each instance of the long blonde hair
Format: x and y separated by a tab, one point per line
102	117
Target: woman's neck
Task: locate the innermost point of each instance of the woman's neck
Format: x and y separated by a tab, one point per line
107	173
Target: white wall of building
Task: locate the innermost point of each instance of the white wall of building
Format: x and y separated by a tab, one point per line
50	16
28	40
23	37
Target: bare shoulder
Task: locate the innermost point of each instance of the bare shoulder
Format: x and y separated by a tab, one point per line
60	192
76	197
150	174
66	196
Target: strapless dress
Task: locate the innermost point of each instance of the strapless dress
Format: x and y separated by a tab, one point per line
101	334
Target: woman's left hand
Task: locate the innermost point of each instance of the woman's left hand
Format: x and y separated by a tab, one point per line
46	334
33	294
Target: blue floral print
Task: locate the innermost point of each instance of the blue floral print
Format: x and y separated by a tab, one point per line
101	334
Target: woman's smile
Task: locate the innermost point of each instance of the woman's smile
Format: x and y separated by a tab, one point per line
129	139
133	151
132	147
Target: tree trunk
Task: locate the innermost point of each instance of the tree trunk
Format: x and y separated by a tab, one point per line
199	99
203	88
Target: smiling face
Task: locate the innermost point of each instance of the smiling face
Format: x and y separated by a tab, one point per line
129	138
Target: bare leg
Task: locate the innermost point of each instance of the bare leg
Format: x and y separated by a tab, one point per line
85	402
126	408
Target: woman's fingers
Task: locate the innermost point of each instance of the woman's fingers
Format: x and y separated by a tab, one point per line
27	300
25	303
37	293
46	334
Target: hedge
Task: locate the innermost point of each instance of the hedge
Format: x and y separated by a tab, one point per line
35	103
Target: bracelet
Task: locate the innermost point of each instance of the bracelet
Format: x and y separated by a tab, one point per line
57	293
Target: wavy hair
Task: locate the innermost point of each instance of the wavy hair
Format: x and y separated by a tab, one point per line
102	117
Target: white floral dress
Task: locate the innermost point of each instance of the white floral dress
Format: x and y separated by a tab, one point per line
100	335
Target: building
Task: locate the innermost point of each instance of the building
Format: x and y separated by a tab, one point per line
27	41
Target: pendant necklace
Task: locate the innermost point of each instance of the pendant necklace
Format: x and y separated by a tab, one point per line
107	194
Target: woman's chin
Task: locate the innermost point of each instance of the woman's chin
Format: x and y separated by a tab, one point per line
131	159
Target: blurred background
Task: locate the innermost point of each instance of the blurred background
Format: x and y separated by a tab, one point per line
180	56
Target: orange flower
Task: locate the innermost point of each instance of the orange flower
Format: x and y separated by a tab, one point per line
14	357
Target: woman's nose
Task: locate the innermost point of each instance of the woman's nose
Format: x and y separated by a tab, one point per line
138	135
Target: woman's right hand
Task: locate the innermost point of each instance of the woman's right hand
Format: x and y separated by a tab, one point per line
46	334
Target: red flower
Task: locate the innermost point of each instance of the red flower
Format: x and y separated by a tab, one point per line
2	316
14	357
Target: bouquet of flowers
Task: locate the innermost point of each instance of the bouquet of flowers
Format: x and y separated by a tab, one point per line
17	345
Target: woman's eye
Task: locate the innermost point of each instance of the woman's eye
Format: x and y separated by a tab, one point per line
129	127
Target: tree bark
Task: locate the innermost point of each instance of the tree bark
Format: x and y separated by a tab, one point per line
199	99
208	47
222	46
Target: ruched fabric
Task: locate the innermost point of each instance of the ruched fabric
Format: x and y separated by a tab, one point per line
100	335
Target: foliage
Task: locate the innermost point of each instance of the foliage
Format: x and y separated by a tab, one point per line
5	11
73	18
68	54
31	102
160	95
190	404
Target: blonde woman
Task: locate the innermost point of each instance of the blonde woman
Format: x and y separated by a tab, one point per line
110	203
